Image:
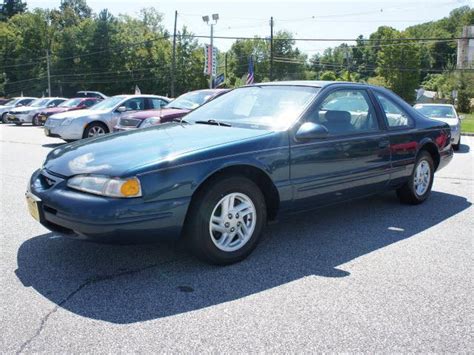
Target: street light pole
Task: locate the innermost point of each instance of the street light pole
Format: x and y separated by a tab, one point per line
214	17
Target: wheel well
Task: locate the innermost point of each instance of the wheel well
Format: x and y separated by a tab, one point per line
260	178
91	123
431	148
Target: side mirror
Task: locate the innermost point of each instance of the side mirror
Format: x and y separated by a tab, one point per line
19	105
311	130
121	109
51	105
461	117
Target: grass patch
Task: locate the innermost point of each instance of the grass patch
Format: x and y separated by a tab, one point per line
467	124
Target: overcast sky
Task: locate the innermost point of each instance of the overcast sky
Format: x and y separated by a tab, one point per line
314	19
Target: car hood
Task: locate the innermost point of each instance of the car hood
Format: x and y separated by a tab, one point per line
450	121
52	110
79	113
126	153
162	113
27	109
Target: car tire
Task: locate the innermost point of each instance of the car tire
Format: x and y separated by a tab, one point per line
35	121
226	239
95	127
4	118
458	145
417	189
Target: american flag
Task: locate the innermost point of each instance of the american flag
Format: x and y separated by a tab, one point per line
250	73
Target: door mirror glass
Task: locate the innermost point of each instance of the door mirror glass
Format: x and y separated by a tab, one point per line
461	117
311	130
121	109
19	105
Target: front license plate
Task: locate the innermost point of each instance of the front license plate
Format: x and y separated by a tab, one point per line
32	202
47	132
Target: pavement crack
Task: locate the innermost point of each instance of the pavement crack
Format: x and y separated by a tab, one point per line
90	281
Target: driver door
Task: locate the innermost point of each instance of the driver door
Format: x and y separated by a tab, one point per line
353	160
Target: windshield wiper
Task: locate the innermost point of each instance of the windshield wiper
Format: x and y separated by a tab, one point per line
180	120
214	122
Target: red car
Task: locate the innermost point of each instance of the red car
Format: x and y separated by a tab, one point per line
78	103
174	110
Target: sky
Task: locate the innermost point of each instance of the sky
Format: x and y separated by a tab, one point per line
305	19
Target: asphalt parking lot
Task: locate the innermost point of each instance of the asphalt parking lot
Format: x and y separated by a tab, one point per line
371	275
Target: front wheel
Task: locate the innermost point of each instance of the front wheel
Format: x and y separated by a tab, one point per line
417	189
226	220
95	129
4	118
35	121
456	146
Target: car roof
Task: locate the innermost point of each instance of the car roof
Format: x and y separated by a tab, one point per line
127	96
312	83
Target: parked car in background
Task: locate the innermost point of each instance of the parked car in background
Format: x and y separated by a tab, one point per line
13	103
241	159
26	114
445	113
96	94
172	111
78	103
100	118
3	101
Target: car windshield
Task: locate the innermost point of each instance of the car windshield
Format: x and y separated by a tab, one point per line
190	100
108	104
273	107
10	102
436	111
71	103
39	102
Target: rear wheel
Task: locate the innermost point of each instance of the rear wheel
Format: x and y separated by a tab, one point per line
226	220
95	129
417	189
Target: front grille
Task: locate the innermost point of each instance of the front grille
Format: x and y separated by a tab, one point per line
129	122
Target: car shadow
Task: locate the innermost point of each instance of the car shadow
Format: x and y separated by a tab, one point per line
463	148
134	283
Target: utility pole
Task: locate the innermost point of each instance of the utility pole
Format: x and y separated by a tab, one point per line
210	53
271	48
49	74
173	65
225	66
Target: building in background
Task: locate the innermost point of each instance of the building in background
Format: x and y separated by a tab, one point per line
466	49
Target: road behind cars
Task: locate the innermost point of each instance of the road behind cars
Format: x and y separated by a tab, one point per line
371	275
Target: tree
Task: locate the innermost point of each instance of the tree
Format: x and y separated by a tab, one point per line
398	62
328	75
10	8
464	104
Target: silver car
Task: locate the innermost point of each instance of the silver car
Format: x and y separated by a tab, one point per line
25	114
446	113
13	103
100	118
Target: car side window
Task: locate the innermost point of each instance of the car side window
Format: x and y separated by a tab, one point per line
346	112
24	102
157	103
135	104
396	117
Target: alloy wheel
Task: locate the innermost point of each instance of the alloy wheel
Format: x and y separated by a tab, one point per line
232	222
422	177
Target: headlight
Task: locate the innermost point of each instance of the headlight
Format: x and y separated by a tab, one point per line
106	186
67	121
455	128
150	122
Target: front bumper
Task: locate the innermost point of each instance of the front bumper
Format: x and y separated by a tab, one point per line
66	211
73	131
455	136
124	129
20	117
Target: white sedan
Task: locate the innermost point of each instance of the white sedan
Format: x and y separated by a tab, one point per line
445	113
25	114
100	118
12	104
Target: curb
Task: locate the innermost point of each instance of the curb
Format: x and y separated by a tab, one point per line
467	134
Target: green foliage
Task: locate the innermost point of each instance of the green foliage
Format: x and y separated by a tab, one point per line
328	75
463	102
10	8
